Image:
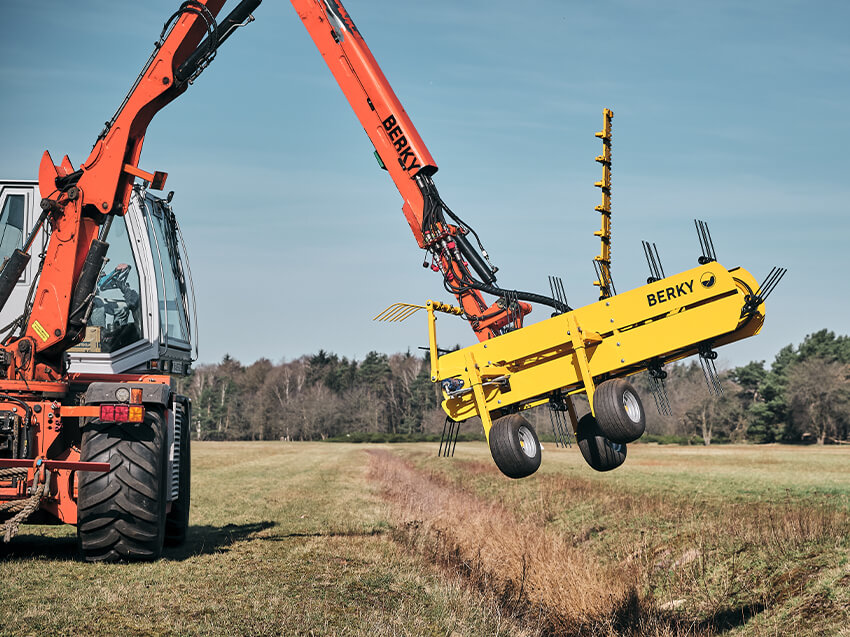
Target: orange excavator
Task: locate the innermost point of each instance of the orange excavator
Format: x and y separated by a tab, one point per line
92	431
106	451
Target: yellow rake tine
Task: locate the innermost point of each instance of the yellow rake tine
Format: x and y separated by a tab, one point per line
386	313
380	316
391	313
398	312
405	313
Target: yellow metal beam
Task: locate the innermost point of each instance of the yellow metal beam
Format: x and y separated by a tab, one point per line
574	332
478	393
665	320
432	307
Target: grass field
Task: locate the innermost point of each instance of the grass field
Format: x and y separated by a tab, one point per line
341	539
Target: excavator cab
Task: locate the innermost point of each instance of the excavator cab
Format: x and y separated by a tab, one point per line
143	314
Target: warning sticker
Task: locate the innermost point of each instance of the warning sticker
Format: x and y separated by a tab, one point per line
38	329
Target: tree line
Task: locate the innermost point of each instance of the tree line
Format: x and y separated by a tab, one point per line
802	396
312	398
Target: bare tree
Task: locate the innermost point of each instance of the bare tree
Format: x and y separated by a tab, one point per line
819	395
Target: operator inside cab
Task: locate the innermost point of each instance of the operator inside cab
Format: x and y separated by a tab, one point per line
115	320
116	310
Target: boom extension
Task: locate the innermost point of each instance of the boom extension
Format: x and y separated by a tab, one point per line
403	154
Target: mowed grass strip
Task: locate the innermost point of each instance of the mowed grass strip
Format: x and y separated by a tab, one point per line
285	539
737	540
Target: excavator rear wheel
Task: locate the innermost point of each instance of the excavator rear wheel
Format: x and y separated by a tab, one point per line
177	520
514	446
121	513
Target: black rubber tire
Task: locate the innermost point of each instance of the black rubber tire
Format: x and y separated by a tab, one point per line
619	411
514	446
598	451
121	513
177	519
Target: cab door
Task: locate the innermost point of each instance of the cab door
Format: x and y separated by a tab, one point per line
140	320
174	295
18	200
121	331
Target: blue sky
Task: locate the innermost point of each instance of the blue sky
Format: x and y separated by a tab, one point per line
735	113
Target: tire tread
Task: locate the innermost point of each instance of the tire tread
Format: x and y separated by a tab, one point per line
505	448
611	416
121	512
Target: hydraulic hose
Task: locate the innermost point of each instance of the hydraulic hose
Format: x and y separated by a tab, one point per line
531	297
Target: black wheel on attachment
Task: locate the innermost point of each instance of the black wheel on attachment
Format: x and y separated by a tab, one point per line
121	513
514	446
598	451
177	519
619	411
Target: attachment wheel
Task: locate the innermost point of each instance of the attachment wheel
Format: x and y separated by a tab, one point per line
514	446
598	451
619	411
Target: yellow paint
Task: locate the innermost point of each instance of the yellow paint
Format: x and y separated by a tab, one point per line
38	329
480	402
614	337
436	306
605	282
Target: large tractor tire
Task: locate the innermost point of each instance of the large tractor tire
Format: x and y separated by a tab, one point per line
121	513
619	411
177	519
514	446
598	451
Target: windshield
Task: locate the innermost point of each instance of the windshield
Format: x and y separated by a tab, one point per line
116	311
169	273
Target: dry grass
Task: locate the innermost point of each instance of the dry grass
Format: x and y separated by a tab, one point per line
296	539
286	539
613	554
539	577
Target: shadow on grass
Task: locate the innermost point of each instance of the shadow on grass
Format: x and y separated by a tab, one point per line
29	544
729	618
205	540
635	617
330	533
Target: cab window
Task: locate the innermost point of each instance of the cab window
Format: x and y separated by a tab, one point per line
116	314
172	311
11	225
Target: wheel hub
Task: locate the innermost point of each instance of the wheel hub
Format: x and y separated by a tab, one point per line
527	442
631	405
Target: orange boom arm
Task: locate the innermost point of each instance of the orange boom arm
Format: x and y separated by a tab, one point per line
466	272
79	205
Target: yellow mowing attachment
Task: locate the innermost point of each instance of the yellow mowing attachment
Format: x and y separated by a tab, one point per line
602	263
